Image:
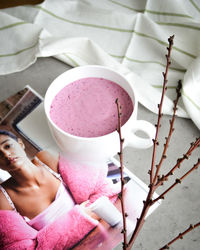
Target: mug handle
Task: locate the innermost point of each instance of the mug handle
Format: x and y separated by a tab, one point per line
135	141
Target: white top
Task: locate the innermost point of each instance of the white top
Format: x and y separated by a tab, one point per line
63	203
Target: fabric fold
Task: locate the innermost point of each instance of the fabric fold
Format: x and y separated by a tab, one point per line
130	37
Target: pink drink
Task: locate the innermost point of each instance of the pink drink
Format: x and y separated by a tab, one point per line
87	107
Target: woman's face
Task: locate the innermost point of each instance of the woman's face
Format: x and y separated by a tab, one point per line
12	154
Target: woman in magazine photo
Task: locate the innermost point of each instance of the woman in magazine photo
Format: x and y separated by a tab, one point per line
45	202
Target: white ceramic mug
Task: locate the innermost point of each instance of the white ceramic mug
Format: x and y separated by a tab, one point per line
97	150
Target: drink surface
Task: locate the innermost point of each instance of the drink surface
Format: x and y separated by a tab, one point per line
87	107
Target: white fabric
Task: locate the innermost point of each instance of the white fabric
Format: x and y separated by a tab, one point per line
62	204
130	36
191	91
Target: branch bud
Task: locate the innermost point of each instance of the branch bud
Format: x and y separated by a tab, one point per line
170	39
191	226
120	196
166	247
178	181
150	185
180	236
123	231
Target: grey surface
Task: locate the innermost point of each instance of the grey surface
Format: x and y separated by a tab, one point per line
181	206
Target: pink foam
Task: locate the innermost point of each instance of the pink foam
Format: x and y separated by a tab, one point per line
87	107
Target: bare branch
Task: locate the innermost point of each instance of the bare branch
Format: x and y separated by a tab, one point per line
170	40
186	156
180	236
148	202
155	179
124	231
177	181
178	91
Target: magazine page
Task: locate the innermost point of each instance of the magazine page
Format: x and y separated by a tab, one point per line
25	117
12	111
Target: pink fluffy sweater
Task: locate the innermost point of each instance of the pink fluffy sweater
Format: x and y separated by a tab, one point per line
85	183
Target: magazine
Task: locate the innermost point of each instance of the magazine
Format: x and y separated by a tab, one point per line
23	114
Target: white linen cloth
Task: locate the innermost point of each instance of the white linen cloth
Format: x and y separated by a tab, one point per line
128	36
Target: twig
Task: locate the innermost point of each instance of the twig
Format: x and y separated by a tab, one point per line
164	156
193	146
170	40
155	179
147	203
140	221
124	230
180	236
177	181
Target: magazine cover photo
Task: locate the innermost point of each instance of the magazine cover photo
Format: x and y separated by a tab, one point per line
47	202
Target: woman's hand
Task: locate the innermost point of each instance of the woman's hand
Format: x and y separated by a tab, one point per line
88	211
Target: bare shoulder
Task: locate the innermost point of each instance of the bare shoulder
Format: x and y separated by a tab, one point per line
49	159
4	204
